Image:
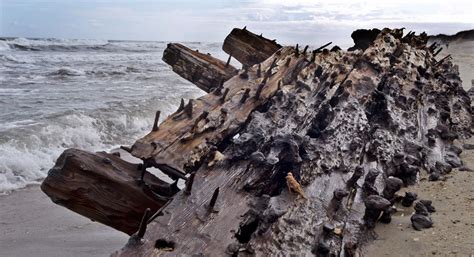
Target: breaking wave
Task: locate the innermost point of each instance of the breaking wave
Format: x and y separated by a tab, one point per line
25	160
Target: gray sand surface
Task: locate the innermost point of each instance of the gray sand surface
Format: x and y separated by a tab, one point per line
32	225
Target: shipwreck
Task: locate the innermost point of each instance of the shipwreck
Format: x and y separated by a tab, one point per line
352	127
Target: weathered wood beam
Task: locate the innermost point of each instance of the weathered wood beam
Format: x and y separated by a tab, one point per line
105	188
185	137
249	48
203	70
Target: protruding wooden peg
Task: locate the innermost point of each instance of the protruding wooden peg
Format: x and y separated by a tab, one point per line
143	224
279	85
297	51
157	118
228	61
181	106
189	108
224	95
259	70
288	60
212	203
245	95
245	28
261	35
189	183
305	49
264	80
259	90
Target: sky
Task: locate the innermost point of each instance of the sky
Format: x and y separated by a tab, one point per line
289	21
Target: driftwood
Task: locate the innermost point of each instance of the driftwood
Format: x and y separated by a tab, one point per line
352	128
248	48
105	188
202	70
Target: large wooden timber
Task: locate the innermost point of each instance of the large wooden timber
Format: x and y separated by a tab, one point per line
105	188
248	48
202	70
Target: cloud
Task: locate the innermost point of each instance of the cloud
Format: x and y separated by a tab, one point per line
290	21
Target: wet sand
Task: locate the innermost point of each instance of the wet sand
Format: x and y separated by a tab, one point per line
32	225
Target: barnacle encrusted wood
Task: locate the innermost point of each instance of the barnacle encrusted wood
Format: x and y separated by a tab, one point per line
350	126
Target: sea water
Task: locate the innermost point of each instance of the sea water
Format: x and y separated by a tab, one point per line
89	94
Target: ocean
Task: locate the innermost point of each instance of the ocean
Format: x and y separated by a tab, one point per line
89	94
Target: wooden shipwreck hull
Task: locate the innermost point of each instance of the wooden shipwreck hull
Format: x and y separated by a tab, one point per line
352	127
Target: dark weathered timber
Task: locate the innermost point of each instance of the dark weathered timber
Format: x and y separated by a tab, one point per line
105	188
202	70
248	48
342	125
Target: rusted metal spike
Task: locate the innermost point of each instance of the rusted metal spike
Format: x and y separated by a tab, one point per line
245	28
442	60
297	51
158	213
305	49
157	118
287	63
259	70
126	148
432	46
244	74
245	95
142	175
143	223
273	65
437	52
228	61
189	108
212	203
201	117
189	183
320	48
224	95
181	106
264	80
259	90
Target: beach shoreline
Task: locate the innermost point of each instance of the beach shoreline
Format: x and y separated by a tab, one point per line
32	225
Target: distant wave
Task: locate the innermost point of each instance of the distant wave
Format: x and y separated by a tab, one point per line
67	72
23	44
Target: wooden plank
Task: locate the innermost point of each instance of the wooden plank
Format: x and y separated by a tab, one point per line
202	70
105	188
249	48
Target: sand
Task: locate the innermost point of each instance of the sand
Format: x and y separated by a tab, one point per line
32	225
453	230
